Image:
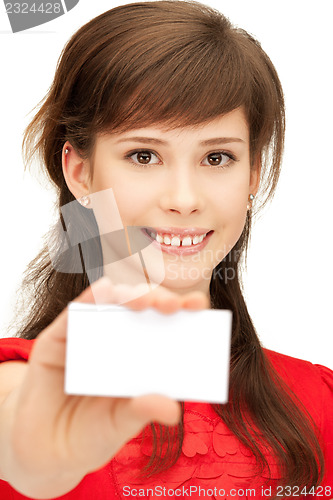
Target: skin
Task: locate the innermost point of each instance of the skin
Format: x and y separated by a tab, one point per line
48	440
184	186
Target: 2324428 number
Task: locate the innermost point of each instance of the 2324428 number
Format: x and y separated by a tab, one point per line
35	8
296	491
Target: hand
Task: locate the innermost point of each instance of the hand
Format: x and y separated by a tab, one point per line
56	439
160	298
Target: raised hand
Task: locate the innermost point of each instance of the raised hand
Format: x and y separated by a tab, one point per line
51	440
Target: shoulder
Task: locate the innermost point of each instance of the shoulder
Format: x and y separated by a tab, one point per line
15	349
292	368
299	373
287	365
311	383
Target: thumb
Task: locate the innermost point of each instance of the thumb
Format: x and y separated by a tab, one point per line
130	416
157	408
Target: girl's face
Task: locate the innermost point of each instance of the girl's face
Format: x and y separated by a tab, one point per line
181	184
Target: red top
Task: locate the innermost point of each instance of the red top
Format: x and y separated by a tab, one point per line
213	461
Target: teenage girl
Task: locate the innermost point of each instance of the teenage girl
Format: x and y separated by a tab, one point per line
182	116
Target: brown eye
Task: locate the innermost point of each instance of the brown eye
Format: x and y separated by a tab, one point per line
215	158
142	157
145	156
220	159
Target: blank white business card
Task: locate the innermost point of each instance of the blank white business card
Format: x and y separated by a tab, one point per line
114	351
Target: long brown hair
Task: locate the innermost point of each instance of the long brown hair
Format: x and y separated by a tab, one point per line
175	63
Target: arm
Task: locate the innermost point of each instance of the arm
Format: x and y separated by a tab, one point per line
48	440
11	375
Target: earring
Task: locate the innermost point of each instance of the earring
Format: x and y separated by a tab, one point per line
84	201
66	151
251	198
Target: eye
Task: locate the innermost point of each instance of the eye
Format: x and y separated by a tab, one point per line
218	159
220	156
143	157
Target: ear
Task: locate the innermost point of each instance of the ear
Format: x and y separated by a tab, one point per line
76	171
255	176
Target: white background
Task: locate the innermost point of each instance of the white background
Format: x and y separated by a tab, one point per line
288	283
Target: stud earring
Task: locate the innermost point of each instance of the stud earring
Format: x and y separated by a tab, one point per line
66	151
84	201
251	198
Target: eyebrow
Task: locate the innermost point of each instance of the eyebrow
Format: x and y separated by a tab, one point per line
208	142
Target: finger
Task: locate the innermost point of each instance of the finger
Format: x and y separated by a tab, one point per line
166	303
160	298
123	418
132	415
140	298
129	295
156	408
195	300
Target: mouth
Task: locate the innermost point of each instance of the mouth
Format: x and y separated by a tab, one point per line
182	241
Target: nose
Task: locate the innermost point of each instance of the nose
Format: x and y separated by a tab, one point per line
182	192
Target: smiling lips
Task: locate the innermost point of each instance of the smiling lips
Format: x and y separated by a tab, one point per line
178	237
176	240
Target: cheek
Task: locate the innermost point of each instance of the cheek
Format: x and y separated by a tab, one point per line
231	199
236	206
131	197
231	210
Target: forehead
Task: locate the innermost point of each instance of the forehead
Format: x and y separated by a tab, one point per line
233	124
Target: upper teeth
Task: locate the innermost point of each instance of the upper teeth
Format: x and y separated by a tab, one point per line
176	241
